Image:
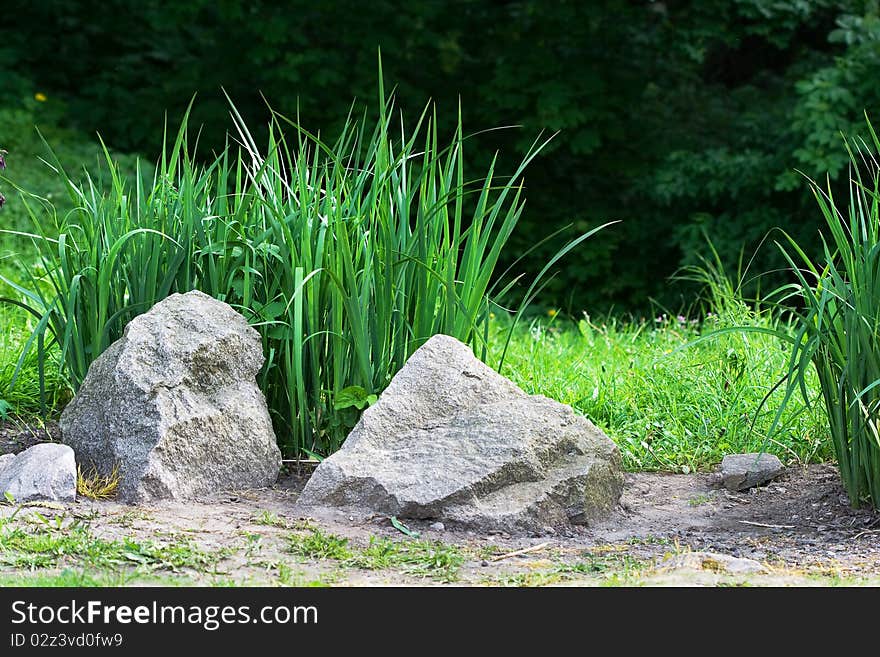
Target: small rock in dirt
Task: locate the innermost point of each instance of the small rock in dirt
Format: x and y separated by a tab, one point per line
175	405
437	526
714	561
42	472
742	471
452	439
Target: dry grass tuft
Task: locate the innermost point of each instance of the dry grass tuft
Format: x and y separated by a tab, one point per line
96	486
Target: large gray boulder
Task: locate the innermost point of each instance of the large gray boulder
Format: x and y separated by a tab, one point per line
175	405
451	440
43	472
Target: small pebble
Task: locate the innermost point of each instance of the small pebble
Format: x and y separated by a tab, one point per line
484	563
437	526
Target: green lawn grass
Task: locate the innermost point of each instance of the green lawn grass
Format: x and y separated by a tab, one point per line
670	404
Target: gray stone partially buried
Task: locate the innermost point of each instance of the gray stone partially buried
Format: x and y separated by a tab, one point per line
175	405
743	471
452	440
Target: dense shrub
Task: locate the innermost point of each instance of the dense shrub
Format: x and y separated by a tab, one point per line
676	117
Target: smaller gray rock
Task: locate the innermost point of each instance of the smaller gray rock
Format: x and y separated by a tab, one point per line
437	526
5	459
43	472
742	471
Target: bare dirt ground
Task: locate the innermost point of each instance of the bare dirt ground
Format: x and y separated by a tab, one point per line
16	436
800	528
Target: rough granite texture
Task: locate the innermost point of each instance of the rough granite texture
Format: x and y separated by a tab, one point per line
174	403
42	472
452	440
5	459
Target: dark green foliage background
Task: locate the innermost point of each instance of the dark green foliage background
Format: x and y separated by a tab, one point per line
676	117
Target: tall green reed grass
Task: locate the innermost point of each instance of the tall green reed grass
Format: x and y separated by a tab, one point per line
837	320
346	257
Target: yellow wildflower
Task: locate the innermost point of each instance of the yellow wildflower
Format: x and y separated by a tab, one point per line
40	97
552	312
